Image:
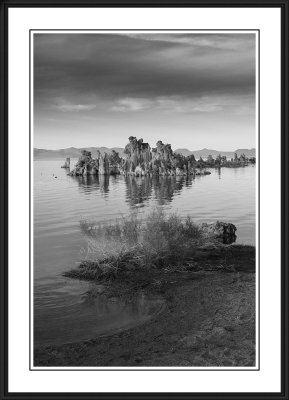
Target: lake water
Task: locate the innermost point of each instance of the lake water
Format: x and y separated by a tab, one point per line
61	309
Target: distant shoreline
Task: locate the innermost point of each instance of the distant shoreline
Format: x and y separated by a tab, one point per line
45	154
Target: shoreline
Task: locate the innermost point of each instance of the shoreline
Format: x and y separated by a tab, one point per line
208	318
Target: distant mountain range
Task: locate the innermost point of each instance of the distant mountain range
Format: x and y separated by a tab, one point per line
204	153
73	152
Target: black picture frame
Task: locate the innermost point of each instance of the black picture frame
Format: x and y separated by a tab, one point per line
283	5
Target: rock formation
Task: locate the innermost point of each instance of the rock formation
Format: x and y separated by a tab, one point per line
139	160
102	164
221	161
138	157
114	163
67	163
85	165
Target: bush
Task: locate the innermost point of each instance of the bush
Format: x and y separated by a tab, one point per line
155	241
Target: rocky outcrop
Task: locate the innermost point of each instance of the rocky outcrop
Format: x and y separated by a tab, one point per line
139	160
223	232
102	164
85	165
222	161
137	157
164	161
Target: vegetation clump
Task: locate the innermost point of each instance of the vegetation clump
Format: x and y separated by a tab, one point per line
137	243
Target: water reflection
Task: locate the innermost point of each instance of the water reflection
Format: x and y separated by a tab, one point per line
165	188
162	188
89	183
139	190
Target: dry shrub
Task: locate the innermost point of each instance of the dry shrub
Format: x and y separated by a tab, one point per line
156	240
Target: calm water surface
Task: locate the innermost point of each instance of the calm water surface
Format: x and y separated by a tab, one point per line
63	311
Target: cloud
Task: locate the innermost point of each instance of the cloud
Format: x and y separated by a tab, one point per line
117	66
73	107
161	104
178	104
152	83
131	105
216	41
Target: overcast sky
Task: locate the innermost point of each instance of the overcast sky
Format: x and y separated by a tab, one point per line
190	90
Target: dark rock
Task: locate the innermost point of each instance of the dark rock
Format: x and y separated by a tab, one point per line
222	231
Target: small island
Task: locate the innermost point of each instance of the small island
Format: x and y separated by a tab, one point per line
142	160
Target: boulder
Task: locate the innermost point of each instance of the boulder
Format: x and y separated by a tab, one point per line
223	232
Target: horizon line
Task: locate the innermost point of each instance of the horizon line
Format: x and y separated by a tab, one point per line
179	148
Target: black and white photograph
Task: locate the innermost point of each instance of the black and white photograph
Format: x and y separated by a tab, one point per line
145	199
